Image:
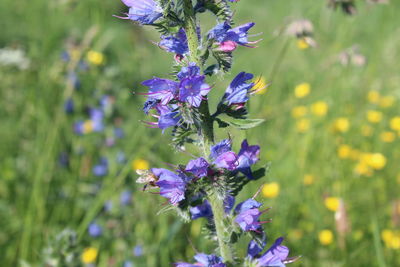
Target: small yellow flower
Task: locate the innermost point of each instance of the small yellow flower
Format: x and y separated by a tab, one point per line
140	164
299	111
395	123
344	151
303	125
388	137
302	44
260	86
373	97
319	108
308	179
95	58
89	255
387	101
325	237
363	169
376	161
366	130
302	90
87	126
341	125
374	116
271	190
332	203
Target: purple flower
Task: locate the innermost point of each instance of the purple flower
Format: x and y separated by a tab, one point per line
149	104
198	167
276	255
223	156
220	148
203	260
248	155
191	70
161	89
125	198
142	11
254	248
69	106
95	230
223	32
96	116
192	90
169	119
138	251
248	215
101	169
172	185
128	264
200	211
237	92
176	43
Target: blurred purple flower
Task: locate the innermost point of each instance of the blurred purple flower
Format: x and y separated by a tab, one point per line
95	230
101	169
276	255
203	260
69	106
223	32
138	251
125	198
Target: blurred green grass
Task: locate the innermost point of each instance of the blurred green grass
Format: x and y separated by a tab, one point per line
34	131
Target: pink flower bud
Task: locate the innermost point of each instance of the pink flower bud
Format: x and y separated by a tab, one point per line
227	46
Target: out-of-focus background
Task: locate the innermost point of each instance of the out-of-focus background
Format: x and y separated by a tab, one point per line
71	135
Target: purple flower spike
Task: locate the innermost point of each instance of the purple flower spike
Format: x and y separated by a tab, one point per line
169	120
191	70
142	11
248	155
193	89
227	160
162	89
201	211
203	260
198	167
223	32
172	185
238	90
276	255
175	43
246	205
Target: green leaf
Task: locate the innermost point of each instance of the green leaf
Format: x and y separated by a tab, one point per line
244	124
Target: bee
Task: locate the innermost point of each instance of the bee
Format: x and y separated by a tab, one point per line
146	177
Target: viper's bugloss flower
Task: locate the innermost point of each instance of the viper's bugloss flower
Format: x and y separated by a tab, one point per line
95	230
248	155
138	251
203	260
161	89
276	255
125	198
220	148
69	106
237	92
142	11
224	33
96	116
253	249
172	185
223	156
191	70
193	89
248	214
176	43
101	169
204	210
198	167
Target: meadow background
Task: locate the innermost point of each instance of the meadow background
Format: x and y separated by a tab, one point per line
332	143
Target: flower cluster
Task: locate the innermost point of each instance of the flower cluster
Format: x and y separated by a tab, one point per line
206	186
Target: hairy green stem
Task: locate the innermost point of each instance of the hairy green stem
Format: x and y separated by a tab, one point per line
206	133
223	234
206	130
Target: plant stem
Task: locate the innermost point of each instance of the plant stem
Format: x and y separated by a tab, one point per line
223	235
206	131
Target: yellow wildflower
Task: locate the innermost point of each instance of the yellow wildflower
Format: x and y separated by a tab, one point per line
319	108
303	125
140	164
387	101
302	90
299	111
95	58
388	137
376	161
341	125
373	97
332	203
395	123
89	255
302	44
308	179
271	190
87	126
366	130
260	85
325	237
374	116
363	169
344	151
